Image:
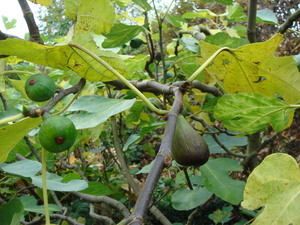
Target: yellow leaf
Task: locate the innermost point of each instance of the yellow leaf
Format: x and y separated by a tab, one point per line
64	57
42	2
11	135
254	68
274	185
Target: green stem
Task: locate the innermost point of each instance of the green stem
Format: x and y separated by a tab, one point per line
69	103
44	184
119	76
12	118
15	71
206	63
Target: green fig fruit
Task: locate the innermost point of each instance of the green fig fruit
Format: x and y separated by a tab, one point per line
57	133
188	147
40	88
136	42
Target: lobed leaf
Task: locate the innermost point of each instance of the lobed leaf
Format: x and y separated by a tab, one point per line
218	181
274	185
254	68
250	112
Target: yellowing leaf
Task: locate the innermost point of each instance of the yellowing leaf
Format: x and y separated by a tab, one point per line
94	15
274	185
42	2
254	68
11	135
64	57
250	112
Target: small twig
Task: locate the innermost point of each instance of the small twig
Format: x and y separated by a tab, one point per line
68	219
34	32
32	149
72	167
187	178
103	219
197	210
99	199
33	222
251	25
3	99
289	22
216	138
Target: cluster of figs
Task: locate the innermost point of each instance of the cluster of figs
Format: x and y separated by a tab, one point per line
57	133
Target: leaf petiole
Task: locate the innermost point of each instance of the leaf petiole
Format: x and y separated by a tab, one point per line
207	62
119	76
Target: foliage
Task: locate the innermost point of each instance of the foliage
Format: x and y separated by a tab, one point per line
124	99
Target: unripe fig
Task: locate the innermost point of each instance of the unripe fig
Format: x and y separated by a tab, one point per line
40	88
188	147
57	133
136	42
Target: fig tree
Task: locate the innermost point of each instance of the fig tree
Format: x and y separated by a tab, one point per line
40	88
57	133
188	147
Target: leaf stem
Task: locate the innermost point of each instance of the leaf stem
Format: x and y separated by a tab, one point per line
44	185
117	74
12	118
207	62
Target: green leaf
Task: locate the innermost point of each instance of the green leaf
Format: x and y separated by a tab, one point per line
9	24
221	216
136	65
225	2
229	142
10	112
185	199
135	112
11	135
250	112
30	205
223	40
97	189
96	109
266	16
274	185
11	212
71	176
143	4
54	183
218	181
191	43
131	139
176	21
71	8
120	34
25	168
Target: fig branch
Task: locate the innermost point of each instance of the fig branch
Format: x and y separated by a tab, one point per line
162	160
124	167
34	32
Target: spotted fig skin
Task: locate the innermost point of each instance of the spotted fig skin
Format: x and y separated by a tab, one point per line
188	147
40	88
57	134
